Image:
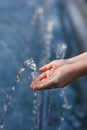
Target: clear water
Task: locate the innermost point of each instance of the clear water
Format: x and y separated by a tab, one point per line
34	28
27	63
60	54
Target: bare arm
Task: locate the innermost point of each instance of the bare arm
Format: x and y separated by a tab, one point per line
80	57
80	68
60	73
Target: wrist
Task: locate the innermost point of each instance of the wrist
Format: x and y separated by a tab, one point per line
80	68
80	57
72	60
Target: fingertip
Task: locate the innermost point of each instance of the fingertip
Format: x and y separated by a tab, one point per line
42	76
42	69
35	88
31	86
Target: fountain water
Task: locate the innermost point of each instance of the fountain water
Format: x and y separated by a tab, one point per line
61	50
27	63
33	28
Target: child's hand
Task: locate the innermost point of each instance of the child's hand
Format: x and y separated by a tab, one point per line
54	64
59	73
55	74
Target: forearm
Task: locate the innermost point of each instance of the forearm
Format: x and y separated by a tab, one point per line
80	68
80	57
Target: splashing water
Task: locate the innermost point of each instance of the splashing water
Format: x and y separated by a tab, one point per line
61	51
27	63
60	54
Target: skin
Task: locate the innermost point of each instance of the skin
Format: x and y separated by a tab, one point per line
60	73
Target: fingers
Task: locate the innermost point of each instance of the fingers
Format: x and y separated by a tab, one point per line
43	85
48	74
42	76
46	67
44	82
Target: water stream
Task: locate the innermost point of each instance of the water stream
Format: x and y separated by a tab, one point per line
27	63
60	54
37	29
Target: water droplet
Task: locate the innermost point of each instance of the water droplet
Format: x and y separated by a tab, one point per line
13	88
5	108
61	51
1	126
35	94
62	93
62	119
22	69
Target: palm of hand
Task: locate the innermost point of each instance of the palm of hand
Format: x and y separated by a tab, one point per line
54	74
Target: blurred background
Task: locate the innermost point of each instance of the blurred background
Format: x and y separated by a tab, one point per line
34	29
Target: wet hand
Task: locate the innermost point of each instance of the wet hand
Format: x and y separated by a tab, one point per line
55	74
